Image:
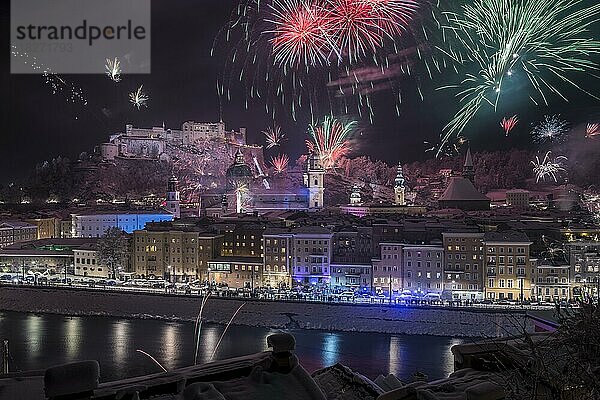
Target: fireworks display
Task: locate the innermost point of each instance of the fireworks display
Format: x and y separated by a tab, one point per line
280	163
273	136
300	33
508	124
57	83
548	168
551	129
592	130
113	69
330	140
139	98
287	52
507	47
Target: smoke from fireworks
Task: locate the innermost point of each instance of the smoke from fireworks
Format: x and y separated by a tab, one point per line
592	130
139	98
280	163
330	140
551	129
512	43
549	167
273	136
508	124
113	69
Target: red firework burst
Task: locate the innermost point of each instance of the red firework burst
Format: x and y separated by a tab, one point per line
361	26
592	130
355	28
301	32
393	16
280	163
509	123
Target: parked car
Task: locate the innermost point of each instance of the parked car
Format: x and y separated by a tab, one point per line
433	298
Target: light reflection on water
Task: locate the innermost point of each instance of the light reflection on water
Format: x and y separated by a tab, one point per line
39	341
73	337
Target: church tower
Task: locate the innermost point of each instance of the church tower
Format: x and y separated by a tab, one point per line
173	205
399	187
314	181
355	196
468	168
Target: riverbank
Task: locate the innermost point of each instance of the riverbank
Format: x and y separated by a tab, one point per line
456	322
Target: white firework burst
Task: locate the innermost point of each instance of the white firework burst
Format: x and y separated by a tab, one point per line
113	69
551	129
139	98
548	168
273	136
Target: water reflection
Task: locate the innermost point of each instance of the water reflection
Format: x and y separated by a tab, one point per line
119	337
331	348
169	346
34	326
39	341
394	356
73	337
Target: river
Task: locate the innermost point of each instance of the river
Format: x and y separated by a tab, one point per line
41	340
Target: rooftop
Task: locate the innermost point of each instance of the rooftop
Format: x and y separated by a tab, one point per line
506	236
461	189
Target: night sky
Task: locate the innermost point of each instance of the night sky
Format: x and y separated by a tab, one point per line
38	126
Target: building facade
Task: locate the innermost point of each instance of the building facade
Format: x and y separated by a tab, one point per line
422	269
87	264
584	260
236	272
95	224
387	269
311	258
508	271
463	266
551	280
12	232
277	260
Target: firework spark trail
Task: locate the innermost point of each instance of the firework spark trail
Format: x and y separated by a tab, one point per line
540	41
198	326
508	124
139	98
549	167
280	163
330	140
152	358
551	129
592	130
113	69
273	136
57	83
226	328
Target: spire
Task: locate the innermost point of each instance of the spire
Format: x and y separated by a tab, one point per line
172	185
468	159
468	169
399	181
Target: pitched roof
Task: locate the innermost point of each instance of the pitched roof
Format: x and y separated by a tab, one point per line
461	189
506	236
468	159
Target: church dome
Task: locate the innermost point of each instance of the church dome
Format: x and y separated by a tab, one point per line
239	169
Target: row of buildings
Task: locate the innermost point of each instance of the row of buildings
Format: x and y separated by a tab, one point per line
463	260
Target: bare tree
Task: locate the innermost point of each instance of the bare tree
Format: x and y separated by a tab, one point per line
112	250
